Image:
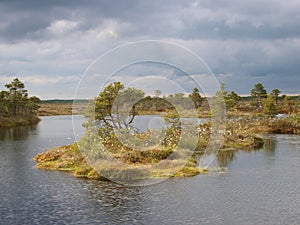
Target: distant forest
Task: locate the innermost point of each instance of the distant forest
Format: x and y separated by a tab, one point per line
258	101
17	108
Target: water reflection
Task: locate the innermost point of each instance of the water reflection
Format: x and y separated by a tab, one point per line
224	158
269	146
16	133
260	187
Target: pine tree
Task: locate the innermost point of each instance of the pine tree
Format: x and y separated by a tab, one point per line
288	104
196	98
232	100
258	93
275	93
269	105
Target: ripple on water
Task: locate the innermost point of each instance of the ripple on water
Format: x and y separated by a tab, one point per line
258	187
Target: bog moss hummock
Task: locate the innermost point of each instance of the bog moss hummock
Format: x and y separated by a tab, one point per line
70	159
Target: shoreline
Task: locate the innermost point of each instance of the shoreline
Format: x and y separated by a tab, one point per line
242	133
18	122
69	159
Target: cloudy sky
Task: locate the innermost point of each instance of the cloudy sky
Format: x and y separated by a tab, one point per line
50	44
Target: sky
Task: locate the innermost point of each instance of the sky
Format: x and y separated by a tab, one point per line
50	44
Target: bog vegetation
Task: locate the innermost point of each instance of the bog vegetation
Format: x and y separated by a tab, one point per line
116	107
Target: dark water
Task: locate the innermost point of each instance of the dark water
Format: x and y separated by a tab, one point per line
259	187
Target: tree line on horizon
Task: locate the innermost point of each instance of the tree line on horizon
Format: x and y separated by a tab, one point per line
14	102
259	100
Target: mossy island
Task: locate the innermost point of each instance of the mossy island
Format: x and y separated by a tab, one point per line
242	127
16	108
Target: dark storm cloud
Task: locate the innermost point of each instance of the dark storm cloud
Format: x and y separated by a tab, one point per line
179	19
249	40
28	19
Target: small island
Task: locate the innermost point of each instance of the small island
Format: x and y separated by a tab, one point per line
16	108
245	121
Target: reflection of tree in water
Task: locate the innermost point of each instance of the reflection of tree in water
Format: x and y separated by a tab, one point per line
224	158
269	147
16	133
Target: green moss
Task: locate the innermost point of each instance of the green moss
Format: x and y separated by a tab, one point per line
82	171
70	159
92	174
49	165
189	171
